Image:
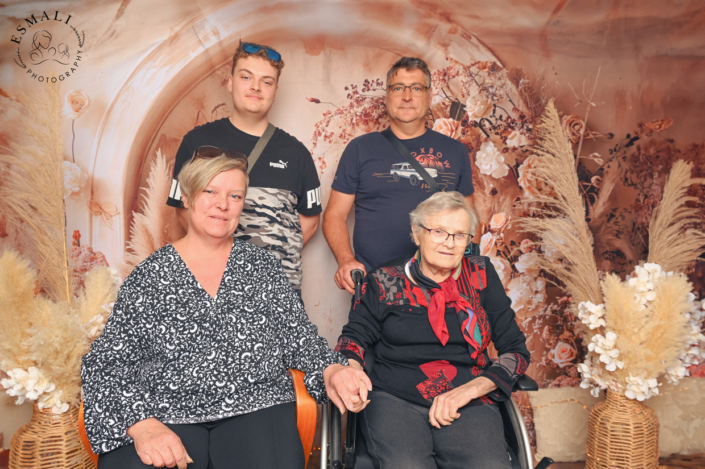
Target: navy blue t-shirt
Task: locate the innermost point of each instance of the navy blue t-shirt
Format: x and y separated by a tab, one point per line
386	188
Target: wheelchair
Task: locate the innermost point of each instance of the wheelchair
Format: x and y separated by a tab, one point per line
352	454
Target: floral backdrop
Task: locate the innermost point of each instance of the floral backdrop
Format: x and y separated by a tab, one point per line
631	105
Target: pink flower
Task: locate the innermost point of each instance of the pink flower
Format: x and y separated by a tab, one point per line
314	100
527	246
77	101
564	354
529	181
447	127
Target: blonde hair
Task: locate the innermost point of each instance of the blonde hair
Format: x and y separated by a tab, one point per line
440	202
196	174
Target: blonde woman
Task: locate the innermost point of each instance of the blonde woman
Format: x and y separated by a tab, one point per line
192	363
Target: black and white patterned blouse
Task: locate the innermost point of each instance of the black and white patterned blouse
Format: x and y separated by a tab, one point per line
171	351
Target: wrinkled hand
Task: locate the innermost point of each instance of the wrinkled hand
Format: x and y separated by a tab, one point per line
157	445
342	276
347	387
445	406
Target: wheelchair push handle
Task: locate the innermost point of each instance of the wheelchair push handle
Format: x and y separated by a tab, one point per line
357	275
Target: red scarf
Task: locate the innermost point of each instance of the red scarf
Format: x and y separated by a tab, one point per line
446	294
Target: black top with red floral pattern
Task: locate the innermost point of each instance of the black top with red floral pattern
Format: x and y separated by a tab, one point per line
409	360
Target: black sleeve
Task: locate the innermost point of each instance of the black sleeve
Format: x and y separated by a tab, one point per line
183	155
508	338
310	200
364	324
115	395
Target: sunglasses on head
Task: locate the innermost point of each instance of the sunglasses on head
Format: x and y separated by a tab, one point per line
208	151
254	48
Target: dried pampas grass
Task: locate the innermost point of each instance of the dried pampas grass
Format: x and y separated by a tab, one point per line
32	192
157	224
649	339
99	289
17	283
563	226
674	239
51	336
57	342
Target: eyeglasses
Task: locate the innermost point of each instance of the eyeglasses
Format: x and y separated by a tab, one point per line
207	151
416	89
254	48
440	236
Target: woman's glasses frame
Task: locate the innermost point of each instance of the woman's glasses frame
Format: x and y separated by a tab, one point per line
438	235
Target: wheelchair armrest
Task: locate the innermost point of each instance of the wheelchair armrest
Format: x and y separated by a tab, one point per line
525	383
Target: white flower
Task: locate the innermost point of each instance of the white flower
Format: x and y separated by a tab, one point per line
74	179
517	139
592	315
491	161
604	347
528	263
503	268
675	373
27	385
53	400
526	292
641	388
592	378
477	107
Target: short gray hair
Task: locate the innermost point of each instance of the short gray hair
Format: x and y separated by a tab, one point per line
440	202
408	64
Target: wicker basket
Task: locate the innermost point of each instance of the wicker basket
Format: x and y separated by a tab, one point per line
49	441
622	433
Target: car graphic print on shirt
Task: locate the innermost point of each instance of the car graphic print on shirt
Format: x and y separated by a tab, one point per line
433	162
404	170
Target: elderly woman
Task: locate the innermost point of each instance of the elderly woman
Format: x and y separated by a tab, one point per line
192	363
430	320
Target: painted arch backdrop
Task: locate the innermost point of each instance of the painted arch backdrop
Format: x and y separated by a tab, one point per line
151	71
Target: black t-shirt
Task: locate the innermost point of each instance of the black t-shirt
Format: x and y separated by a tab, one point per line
283	184
387	188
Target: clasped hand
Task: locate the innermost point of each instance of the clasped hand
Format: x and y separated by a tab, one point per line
347	386
157	445
444	409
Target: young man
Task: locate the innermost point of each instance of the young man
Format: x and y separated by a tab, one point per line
376	179
283	203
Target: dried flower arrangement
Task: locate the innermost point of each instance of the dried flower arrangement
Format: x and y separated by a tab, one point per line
647	326
47	318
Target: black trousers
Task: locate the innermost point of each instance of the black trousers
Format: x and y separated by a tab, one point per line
266	439
399	436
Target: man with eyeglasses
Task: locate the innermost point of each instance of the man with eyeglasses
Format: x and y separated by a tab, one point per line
374	177
283	204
